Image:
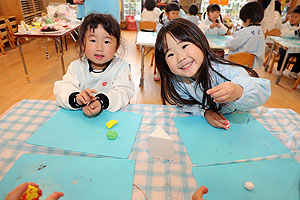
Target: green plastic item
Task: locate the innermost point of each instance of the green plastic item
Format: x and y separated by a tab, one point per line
49	21
111	135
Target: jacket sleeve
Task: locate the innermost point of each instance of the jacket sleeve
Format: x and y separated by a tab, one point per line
203	26
63	88
238	39
256	91
122	90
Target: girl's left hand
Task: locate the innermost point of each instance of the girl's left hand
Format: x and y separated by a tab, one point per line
226	92
92	109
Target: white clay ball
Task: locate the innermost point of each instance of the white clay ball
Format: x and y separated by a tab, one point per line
249	185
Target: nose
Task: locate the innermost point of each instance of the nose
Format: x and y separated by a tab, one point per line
99	47
180	57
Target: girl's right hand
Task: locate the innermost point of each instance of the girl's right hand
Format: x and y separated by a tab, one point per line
198	195
85	96
215	119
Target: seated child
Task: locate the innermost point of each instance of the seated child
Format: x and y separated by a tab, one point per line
171	12
196	79
181	11
213	25
99	79
251	37
193	11
151	13
291	29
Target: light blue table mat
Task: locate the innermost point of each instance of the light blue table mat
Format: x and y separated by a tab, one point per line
273	179
71	130
76	177
246	138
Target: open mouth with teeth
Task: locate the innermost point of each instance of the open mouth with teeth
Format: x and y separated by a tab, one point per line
187	66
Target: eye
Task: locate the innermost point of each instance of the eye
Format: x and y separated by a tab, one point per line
184	46
169	55
92	40
106	42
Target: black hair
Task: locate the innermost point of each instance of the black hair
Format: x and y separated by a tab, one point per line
150	4
296	10
193	9
278	6
185	30
175	1
170	7
265	3
90	23
252	11
211	8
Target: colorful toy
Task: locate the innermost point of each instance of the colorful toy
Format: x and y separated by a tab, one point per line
111	123
31	193
111	135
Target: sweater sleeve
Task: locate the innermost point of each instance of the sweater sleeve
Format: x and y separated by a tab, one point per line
256	91
64	88
121	92
203	26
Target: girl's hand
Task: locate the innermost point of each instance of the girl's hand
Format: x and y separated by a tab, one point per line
219	25
92	109
213	25
199	193
85	96
215	119
226	92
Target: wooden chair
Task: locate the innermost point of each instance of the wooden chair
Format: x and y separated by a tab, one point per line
275	54
151	27
242	58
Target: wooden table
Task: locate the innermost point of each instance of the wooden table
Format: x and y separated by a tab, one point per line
56	36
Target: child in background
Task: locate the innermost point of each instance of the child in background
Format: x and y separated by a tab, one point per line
99	79
171	12
277	19
251	37
151	13
193	11
181	11
213	25
196	79
291	29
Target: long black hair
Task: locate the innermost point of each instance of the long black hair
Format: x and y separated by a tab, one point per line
185	30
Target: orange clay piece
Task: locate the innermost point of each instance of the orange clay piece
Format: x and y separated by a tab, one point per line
31	193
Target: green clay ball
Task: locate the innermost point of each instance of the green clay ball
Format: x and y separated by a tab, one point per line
111	135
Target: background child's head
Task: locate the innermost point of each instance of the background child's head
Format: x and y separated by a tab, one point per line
213	12
172	10
99	32
251	13
295	16
193	9
150	4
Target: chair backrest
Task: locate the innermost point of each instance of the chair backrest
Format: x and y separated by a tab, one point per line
148	25
273	32
242	58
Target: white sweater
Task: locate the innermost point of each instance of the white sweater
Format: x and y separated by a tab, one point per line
115	82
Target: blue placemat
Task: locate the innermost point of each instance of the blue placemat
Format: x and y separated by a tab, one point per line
76	177
273	179
246	138
71	130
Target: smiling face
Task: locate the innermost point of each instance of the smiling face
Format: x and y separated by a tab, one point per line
183	58
100	47
214	15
